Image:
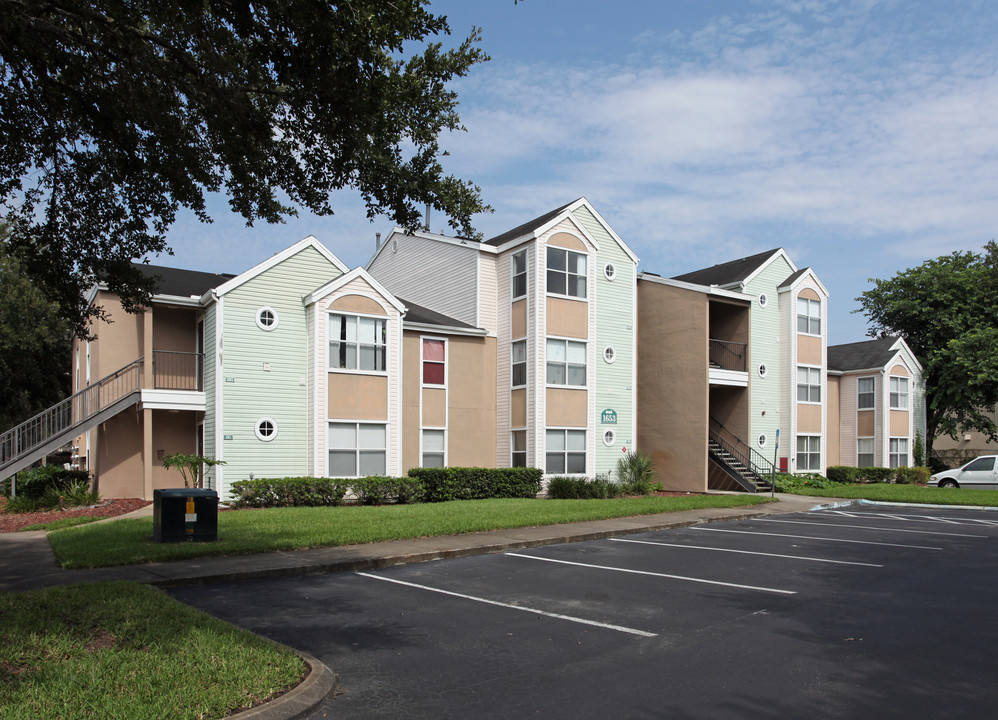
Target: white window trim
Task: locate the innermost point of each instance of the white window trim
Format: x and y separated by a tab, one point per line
873	393
513	274
422	450
609	437
566	385
762	440
424	384
565	295
353	421
259	322
388	343
907	451
797	452
906	394
820	386
526	448
613	355
763	370
585	431
809	316
259	435
526	363
610	271
872	453
763	300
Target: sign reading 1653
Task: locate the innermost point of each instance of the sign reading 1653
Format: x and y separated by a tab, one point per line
608	417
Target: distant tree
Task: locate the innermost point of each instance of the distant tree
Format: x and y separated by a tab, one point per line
113	116
946	310
34	345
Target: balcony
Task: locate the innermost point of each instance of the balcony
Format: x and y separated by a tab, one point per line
728	363
177	381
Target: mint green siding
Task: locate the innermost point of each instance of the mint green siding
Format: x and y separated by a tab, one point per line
265	373
615	326
210	355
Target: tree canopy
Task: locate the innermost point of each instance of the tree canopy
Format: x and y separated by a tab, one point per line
114	116
946	311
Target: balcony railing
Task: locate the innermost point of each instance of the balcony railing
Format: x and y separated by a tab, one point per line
177	370
728	355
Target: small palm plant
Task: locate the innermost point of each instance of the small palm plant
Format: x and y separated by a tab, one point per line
190	466
636	471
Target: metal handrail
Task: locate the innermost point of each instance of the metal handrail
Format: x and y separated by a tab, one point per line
66	414
750	457
728	355
172	370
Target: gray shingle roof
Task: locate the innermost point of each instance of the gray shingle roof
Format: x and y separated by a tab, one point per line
527	227
183	283
419	314
861	355
729	273
793	278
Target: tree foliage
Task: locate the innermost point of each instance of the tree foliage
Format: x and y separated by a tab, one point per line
34	346
946	311
115	115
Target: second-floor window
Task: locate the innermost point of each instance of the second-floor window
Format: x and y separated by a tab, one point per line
899	393
566	362
808	316
808	384
519	363
866	397
566	273
357	343
434	353
519	288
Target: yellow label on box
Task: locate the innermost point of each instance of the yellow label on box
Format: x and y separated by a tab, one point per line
190	507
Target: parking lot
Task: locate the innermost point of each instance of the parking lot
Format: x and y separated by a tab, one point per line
867	611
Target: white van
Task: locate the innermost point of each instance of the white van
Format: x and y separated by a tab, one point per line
978	473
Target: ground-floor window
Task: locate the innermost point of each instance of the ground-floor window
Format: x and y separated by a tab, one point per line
565	451
899	452
808	452
433	448
357	449
519	449
865	452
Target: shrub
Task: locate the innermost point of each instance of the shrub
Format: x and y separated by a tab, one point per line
918	450
636	472
34	483
912	475
874	475
842	473
377	490
787	483
288	492
457	483
576	488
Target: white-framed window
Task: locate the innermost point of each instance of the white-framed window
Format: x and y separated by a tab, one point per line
609	271
357	342
518	449
898	452
899	393
808	384
763	370
518	360
762	440
808	316
609	354
609	438
357	449
865	452
809	452
519	267
434	361
566	362
566	273
763	300
266	318
434	448
866	395
265	429
565	452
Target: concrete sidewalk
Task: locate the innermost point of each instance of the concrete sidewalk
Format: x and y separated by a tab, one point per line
26	559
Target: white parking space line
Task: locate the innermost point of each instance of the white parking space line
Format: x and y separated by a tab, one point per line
871	527
581	621
655	574
746	552
917	518
809	537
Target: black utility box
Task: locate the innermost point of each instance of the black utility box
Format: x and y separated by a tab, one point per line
182	515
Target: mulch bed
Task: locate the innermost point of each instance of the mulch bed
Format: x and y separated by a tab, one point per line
12	522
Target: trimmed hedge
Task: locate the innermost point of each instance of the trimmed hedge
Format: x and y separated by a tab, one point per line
457	483
576	488
377	490
901	475
33	484
288	492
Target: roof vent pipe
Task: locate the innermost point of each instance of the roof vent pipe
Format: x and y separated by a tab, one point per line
427	217
377	241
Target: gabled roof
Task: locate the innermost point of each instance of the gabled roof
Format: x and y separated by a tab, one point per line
864	355
730	273
346	278
259	268
182	283
424	316
790	281
528	227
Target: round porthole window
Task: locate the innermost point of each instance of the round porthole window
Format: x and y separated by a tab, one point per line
763	300
762	440
609	438
609	271
266	429
762	370
609	355
266	318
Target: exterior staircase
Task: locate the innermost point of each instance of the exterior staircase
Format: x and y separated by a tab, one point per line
33	439
740	463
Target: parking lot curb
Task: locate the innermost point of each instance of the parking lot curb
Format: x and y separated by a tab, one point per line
301	700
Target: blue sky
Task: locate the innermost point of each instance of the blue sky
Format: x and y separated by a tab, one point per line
860	136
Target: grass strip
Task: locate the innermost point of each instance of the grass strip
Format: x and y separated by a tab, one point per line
125	542
886	492
124	650
63	523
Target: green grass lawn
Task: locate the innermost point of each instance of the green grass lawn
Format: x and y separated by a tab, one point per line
908	493
123	650
63	523
129	541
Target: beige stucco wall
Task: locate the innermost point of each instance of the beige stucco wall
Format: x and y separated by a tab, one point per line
434	407
899	423
834	442
353	396
357	304
117	343
808	419
730	407
672	397
518	319
729	321
518	408
567	241
567	318
808	350
174	329
119	455
866	423
172	432
809	294
471	400
566	407
411	392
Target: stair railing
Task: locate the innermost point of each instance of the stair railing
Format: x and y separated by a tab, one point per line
751	457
